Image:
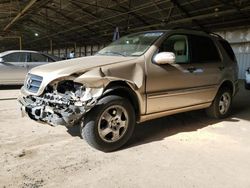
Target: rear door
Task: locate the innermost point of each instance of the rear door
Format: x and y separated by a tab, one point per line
13	69
36	59
207	64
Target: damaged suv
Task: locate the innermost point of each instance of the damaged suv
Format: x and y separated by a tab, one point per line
139	77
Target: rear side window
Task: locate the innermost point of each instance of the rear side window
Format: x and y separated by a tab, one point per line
203	50
228	49
49	58
35	57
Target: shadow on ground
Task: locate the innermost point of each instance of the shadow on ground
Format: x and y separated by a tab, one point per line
74	131
7	87
161	128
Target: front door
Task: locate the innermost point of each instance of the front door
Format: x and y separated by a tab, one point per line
178	85
13	69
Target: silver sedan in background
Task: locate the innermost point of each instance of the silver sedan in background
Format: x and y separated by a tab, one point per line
15	64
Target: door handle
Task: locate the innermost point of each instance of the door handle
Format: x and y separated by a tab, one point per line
191	69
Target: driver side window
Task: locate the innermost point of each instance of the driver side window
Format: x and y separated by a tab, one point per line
178	44
16	57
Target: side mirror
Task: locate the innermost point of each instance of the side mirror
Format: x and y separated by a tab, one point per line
164	58
1	60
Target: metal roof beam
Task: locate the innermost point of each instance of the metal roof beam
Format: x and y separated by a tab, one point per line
89	13
160	24
23	11
41	25
71	20
65	17
230	5
177	4
198	17
99	6
132	13
60	13
53	23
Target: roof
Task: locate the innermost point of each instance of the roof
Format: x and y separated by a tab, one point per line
65	22
186	30
13	51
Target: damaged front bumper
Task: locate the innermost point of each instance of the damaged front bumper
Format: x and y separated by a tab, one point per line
55	109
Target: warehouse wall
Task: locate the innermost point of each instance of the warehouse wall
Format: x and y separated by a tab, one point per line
244	63
240	42
80	51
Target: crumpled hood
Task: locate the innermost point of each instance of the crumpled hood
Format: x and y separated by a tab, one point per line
68	67
53	71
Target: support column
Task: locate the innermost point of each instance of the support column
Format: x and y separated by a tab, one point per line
20	43
51	46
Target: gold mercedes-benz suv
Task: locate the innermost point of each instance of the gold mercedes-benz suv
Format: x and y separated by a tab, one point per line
139	77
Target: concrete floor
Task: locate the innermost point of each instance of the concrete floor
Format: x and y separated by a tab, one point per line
184	150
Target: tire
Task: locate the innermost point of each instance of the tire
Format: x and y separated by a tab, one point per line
247	86
110	124
221	110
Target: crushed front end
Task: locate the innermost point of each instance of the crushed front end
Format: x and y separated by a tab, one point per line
62	102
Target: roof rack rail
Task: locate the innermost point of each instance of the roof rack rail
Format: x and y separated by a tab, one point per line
190	28
215	34
205	31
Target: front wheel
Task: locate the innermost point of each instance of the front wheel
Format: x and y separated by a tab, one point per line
110	124
221	105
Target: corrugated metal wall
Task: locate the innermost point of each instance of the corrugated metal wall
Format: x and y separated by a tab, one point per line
240	42
243	62
80	51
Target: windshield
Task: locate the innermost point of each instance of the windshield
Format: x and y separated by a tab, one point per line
131	45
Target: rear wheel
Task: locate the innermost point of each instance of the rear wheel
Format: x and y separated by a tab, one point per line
110	124
221	105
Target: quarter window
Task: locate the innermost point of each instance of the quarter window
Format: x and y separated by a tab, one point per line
203	50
